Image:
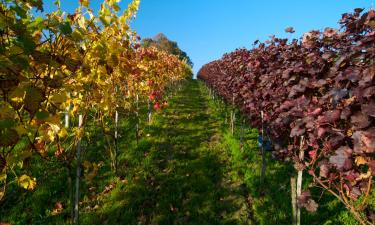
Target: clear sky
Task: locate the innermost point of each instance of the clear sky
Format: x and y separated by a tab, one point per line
206	29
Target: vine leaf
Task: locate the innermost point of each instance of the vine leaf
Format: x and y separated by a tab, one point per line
342	159
360	160
33	98
8	137
360	120
364	141
85	3
305	201
27	182
289	30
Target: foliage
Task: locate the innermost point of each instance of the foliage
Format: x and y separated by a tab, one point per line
174	149
71	64
321	88
161	42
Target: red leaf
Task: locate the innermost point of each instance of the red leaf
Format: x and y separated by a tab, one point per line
329	117
360	120
364	141
369	109
312	154
324	170
157	106
330	32
289	30
341	159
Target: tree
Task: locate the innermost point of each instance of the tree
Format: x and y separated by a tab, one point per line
161	42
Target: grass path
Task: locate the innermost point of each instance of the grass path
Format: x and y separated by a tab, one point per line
180	173
186	169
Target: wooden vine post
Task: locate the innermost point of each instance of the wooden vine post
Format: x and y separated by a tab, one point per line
232	117
78	174
149	115
116	142
116	136
66	119
296	187
293	192
299	178
70	182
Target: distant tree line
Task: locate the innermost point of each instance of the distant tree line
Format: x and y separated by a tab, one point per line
161	42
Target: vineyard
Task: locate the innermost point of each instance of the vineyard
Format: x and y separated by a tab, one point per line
313	96
100	126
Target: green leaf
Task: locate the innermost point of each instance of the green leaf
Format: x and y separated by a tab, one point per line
21	60
65	28
42	115
57	3
37	24
8	137
27	42
20	11
7	123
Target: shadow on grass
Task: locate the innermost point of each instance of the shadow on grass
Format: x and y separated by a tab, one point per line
271	202
175	174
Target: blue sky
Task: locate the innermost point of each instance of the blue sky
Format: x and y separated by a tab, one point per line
206	29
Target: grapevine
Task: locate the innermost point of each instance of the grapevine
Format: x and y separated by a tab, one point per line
320	89
69	64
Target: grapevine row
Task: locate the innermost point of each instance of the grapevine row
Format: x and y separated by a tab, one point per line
58	66
318	96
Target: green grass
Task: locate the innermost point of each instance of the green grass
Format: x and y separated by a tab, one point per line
271	201
186	169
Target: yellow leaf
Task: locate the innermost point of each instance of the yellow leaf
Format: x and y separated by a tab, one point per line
87	165
59	98
2	192
20	130
16	50
18	94
27	182
77	35
6	111
55	128
34	96
62	133
85	3
3	176
364	176
360	160
53	119
78	132
51	136
82	22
